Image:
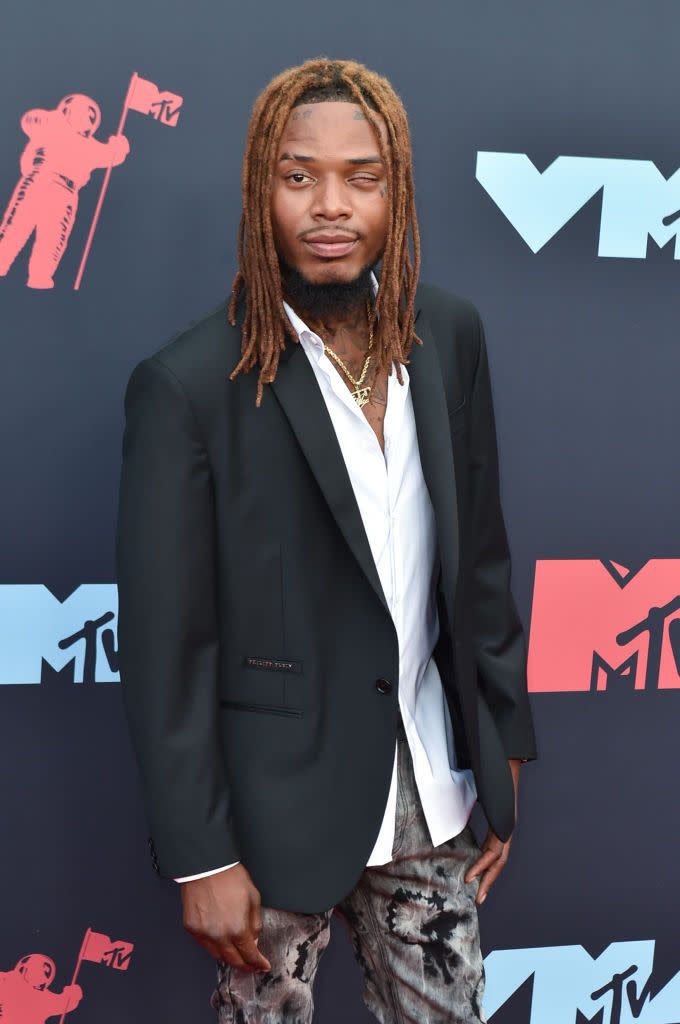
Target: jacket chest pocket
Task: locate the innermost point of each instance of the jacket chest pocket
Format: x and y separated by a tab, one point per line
265	683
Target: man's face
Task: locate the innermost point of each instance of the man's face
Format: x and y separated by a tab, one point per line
330	208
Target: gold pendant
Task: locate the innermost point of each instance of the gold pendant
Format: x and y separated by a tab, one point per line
360	395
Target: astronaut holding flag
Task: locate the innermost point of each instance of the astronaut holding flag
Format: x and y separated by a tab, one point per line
25	993
57	161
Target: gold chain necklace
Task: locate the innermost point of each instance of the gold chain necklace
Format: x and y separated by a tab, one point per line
360	394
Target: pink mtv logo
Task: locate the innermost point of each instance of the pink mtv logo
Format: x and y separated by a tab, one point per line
597	625
26	994
58	160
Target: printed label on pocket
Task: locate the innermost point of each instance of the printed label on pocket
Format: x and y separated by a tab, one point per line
272	664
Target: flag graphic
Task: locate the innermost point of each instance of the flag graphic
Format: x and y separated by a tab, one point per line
147	98
99	948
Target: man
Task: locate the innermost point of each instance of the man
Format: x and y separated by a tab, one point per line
322	663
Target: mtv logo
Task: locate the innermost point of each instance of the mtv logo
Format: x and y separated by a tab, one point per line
35	626
638	202
613	988
595	624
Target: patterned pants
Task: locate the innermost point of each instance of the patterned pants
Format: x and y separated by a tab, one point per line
413	926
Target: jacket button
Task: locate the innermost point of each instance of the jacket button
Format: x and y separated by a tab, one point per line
383	685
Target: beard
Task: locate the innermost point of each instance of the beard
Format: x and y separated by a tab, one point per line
326	299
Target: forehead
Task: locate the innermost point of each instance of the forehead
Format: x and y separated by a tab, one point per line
335	128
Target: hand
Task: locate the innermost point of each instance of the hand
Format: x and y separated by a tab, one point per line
222	912
120	147
489	865
74	994
494	852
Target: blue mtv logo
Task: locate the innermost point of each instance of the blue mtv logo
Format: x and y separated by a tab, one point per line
638	202
35	626
613	988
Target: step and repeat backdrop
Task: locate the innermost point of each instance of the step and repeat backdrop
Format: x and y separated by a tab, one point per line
548	193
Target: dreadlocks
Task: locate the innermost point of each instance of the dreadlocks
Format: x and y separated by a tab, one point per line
265	325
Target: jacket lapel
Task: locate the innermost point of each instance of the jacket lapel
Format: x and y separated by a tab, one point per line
298	393
300	397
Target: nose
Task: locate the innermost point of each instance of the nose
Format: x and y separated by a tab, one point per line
331	199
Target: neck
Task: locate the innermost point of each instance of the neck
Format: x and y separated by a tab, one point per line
352	322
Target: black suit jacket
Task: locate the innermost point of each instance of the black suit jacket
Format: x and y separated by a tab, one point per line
258	657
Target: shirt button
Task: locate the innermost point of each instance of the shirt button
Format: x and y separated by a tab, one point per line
383	685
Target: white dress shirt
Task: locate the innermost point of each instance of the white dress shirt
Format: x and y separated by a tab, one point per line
399	521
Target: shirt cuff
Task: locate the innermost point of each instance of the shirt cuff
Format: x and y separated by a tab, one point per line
204	874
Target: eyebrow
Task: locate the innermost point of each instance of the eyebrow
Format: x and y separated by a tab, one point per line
310	159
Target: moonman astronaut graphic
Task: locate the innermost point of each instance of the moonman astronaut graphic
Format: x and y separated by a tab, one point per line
57	161
24	992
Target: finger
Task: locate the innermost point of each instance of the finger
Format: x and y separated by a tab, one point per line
256	926
218	950
226	951
247	947
489	878
484	886
235	957
480	865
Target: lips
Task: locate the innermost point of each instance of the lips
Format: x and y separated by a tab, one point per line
331	246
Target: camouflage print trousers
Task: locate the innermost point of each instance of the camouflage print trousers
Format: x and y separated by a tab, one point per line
413	927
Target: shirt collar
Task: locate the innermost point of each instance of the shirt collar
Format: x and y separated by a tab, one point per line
302	328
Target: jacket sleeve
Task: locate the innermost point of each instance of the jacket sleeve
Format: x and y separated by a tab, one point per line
498	636
168	625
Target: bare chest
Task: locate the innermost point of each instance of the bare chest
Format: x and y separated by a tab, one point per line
374	409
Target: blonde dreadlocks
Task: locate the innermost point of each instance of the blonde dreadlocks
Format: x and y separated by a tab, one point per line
265	325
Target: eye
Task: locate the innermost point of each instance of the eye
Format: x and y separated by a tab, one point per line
363	179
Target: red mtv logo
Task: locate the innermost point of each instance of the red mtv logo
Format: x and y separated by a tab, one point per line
595	624
25	993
